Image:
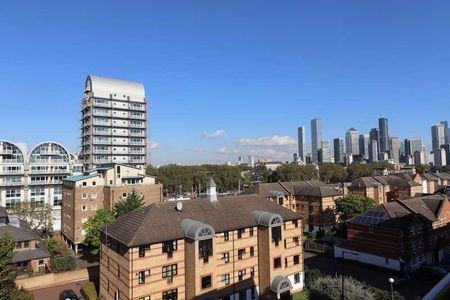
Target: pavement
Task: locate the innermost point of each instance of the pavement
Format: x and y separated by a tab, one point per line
413	289
52	293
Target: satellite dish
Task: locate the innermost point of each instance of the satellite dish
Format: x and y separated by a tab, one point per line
179	206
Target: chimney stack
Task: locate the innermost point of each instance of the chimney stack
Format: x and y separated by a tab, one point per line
211	190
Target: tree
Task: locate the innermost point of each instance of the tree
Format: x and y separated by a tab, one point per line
291	172
350	206
330	288
364	170
51	244
7	268
332	173
37	215
133	201
311	275
93	226
422	168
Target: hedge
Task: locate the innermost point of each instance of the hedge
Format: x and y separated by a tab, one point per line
88	291
61	264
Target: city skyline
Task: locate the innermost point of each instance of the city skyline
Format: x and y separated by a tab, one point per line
212	93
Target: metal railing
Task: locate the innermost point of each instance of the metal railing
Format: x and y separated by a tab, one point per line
11	172
313	246
11	183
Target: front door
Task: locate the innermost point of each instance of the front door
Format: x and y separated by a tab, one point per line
285	296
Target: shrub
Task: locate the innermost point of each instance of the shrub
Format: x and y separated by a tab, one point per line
386	295
21	295
61	264
88	291
311	276
330	288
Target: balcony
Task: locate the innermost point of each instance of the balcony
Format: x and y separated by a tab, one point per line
102	161
11	172
137	117
6	151
137	160
49	161
11	183
138	134
102	142
141	143
137	125
101	103
97	151
102	132
50	171
101	123
44	182
138	107
11	161
101	114
50	152
140	151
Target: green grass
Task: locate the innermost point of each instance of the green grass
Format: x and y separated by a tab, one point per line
303	295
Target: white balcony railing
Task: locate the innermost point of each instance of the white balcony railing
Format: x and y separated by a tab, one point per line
137	143
49	171
137	134
11	183
11	161
96	151
137	125
137	160
138	117
11	172
102	161
44	182
102	104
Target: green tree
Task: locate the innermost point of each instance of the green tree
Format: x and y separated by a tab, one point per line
51	244
332	173
422	168
37	215
364	170
350	206
330	288
93	226
311	275
291	172
133	201
7	268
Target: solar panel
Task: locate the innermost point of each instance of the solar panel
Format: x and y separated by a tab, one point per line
380	214
370	213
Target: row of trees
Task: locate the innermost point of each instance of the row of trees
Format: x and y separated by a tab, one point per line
176	178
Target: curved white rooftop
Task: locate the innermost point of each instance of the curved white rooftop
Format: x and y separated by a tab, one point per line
103	87
63	150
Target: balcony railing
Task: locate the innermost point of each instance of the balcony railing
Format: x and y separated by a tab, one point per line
102	123
137	117
137	151
44	182
11	161
137	134
100	104
6	151
137	125
102	113
106	142
102	132
137	160
11	183
11	172
101	161
137	107
49	171
96	151
48	161
137	143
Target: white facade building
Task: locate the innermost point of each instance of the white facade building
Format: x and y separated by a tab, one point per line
35	175
113	122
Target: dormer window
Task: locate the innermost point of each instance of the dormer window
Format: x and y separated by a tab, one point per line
276	235
205	249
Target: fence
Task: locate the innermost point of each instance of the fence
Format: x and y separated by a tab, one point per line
316	247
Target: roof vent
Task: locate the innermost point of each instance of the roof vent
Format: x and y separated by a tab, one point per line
179	206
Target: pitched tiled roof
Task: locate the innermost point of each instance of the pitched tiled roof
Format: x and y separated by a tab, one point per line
430	177
365	182
266	189
161	221
37	253
19	234
313	188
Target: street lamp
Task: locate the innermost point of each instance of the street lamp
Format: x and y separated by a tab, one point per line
343	254
391	280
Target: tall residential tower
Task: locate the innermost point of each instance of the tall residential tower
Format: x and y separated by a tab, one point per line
301	143
316	139
384	134
113	122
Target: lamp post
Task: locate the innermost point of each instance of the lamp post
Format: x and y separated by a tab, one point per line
343	254
391	281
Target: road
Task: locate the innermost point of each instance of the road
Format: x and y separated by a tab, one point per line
415	288
52	293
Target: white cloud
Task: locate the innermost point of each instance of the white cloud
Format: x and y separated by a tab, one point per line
222	150
275	140
269	153
152	145
217	133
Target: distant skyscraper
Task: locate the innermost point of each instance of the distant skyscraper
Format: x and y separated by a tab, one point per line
446	148
364	145
373	145
394	149
437	136
251	161
384	134
316	138
352	141
440	158
301	143
325	151
419	158
446	131
413	145
338	150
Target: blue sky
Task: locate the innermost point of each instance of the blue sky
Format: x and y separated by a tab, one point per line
228	78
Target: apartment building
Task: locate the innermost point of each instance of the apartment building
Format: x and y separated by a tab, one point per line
29	252
113	122
385	188
313	200
402	234
35	175
240	247
100	188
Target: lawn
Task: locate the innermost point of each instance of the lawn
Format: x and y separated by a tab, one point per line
300	296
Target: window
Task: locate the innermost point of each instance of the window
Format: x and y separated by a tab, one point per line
84	220
26	244
145	298
241	253
84	196
84	183
252	251
206	282
142	275
252	271
297	278
276	235
94	196
226	279
285	262
296	259
124	195
142	250
226	235
169	247
84	207
296	241
94	207
295	222
94	183
251	231
205	248
226	257
170	295
240	232
243	295
169	271
241	274
277	262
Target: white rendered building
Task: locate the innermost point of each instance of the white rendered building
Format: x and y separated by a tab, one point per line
35	175
113	123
